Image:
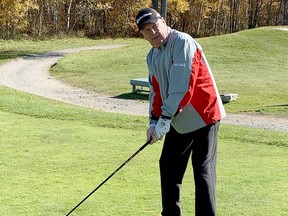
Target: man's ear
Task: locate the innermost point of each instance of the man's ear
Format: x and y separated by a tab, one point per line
163	20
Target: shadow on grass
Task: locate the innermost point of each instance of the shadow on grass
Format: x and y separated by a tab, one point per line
27	55
133	96
279	105
12	54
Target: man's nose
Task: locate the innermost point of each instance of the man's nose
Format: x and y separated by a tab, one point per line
153	31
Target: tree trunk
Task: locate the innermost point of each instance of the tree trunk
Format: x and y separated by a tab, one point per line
41	18
200	18
256	14
268	18
68	16
234	7
253	13
286	12
277	21
216	20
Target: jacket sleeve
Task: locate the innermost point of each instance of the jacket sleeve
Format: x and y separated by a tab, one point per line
180	79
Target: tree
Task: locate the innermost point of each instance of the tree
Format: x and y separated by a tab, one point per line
68	16
253	13
13	16
116	18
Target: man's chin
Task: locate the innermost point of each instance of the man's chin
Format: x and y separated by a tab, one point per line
156	44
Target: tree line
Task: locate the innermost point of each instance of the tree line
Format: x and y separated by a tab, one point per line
116	18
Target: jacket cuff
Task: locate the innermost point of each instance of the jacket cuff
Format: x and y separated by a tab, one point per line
165	117
154	117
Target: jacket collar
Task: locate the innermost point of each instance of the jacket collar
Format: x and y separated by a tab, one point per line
164	44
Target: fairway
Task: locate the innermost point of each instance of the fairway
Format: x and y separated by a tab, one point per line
49	165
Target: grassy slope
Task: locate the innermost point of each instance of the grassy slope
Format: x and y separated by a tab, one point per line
252	63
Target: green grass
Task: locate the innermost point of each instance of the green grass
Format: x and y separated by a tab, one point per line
50	160
253	64
106	71
17	48
54	154
33	106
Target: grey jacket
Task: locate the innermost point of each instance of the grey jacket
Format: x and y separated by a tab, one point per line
182	86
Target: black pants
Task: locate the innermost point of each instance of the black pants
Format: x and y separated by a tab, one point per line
201	146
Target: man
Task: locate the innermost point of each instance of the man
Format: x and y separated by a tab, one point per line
186	107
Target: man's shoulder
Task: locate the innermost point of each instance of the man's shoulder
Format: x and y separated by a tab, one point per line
179	39
180	35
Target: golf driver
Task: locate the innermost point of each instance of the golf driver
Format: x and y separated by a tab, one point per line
139	150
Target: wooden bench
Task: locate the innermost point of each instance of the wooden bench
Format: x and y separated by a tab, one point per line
139	82
142	85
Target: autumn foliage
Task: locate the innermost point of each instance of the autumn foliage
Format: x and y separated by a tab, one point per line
115	18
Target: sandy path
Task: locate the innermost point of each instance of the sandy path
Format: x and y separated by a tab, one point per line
31	74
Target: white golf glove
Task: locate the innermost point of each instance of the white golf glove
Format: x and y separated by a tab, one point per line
162	127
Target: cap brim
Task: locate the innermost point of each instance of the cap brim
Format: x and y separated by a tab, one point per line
153	20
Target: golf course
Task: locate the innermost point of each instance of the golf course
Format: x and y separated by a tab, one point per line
53	154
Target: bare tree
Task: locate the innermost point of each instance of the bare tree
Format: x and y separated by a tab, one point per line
68	16
200	17
41	17
253	13
234	8
278	17
285	12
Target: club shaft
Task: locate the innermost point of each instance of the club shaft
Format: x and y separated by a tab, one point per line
139	150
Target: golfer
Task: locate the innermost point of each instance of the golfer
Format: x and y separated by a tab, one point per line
186	107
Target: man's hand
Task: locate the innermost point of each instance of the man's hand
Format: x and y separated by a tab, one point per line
150	132
161	129
158	129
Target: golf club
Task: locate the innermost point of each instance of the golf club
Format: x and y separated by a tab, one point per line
139	150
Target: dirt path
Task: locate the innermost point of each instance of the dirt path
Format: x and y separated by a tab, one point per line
31	74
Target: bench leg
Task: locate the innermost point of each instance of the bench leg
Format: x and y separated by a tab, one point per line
133	89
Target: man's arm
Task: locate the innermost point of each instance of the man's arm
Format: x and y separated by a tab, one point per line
180	80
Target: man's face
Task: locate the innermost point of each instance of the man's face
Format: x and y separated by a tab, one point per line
155	33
